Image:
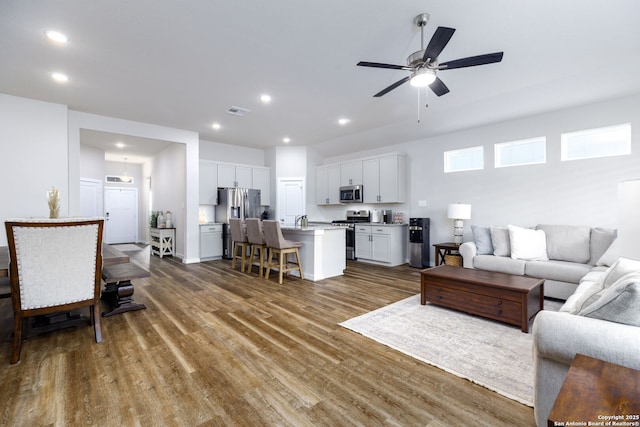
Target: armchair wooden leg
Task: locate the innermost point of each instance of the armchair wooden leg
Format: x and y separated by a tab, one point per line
17	337
95	317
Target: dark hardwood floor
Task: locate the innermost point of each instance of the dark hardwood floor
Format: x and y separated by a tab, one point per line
218	347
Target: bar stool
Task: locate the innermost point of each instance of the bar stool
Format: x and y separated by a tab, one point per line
255	236
240	241
280	248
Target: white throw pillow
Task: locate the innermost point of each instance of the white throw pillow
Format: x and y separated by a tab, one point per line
527	244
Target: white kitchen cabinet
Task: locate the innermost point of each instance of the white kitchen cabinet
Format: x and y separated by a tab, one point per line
328	185
262	182
208	183
210	241
230	175
351	173
381	244
384	179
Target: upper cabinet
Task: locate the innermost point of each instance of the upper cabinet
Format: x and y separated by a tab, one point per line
327	185
384	179
351	173
208	183
262	182
234	176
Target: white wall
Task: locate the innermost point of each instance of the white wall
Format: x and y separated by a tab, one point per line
577	192
92	163
34	153
167	184
226	153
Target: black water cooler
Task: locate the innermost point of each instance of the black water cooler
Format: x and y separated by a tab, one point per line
419	248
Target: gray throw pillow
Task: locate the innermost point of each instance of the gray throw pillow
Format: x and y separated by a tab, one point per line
620	303
601	239
482	239
500	240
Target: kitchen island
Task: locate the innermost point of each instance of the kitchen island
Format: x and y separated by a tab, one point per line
323	250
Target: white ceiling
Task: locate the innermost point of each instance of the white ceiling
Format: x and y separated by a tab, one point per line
183	64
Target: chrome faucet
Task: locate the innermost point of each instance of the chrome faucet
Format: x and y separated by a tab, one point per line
298	218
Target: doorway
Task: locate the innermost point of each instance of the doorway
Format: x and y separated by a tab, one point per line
291	200
121	215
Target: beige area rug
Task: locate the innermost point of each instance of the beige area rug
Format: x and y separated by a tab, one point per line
127	247
492	354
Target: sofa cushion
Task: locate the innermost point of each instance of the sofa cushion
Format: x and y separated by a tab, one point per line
619	303
562	271
482	239
500	264
567	242
500	240
601	239
527	244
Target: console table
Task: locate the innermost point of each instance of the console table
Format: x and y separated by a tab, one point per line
163	241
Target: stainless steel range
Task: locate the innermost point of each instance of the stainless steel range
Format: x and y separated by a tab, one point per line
353	217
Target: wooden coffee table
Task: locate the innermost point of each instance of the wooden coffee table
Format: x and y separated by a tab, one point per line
504	297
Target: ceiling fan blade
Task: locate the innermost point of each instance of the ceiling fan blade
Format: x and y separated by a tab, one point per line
439	40
472	61
438	87
380	65
392	87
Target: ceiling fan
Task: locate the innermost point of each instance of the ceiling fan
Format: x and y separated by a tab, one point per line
424	64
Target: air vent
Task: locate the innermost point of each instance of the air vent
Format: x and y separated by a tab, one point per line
238	111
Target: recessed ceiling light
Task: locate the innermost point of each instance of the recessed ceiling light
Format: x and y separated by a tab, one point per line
286	140
120	144
59	77
56	36
216	126
265	99
343	121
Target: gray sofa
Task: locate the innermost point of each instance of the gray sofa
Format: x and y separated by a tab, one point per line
571	252
607	328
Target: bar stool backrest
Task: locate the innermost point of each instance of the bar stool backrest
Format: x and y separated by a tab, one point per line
273	235
238	234
255	235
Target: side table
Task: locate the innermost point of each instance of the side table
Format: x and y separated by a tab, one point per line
596	393
443	249
162	241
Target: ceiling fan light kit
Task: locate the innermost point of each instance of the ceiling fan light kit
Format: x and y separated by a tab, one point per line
422	77
424	64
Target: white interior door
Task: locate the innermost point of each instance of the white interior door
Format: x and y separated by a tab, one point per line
90	198
291	200
121	215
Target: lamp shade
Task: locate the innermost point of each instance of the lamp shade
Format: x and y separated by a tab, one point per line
628	223
459	211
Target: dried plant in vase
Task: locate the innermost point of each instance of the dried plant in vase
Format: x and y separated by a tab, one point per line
53	198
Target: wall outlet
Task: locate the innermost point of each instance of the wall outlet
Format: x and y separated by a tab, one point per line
422	203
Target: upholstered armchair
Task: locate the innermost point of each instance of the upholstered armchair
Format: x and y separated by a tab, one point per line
55	266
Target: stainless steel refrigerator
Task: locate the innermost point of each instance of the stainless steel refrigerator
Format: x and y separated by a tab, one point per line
239	203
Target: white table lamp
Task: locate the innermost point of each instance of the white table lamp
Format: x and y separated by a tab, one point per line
458	212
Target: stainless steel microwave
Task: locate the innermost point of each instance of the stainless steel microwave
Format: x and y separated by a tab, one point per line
351	194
